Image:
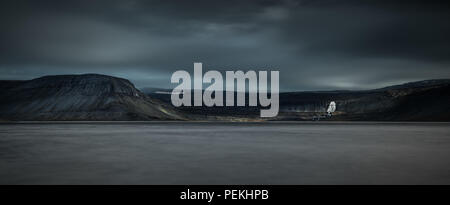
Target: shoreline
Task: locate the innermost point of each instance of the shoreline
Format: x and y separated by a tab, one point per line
223	122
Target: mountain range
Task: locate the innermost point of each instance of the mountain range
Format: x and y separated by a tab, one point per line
99	97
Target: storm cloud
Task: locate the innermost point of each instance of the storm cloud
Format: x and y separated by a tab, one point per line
316	45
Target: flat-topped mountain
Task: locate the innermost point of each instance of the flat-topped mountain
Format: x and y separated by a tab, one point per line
79	97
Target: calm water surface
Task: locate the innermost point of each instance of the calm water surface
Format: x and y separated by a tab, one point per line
225	153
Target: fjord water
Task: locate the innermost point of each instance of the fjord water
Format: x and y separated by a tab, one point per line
225	153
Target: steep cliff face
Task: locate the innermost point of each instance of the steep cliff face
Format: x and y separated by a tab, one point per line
79	97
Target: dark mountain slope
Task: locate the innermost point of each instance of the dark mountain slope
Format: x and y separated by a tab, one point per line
427	100
79	97
416	101
425	105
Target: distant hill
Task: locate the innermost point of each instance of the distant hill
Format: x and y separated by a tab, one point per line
419	84
149	90
79	97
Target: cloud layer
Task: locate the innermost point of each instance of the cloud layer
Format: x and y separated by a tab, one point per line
322	44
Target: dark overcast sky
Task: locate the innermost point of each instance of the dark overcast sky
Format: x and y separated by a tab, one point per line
316	45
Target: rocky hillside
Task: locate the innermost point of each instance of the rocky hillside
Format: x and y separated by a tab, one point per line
79	97
417	101
427	100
